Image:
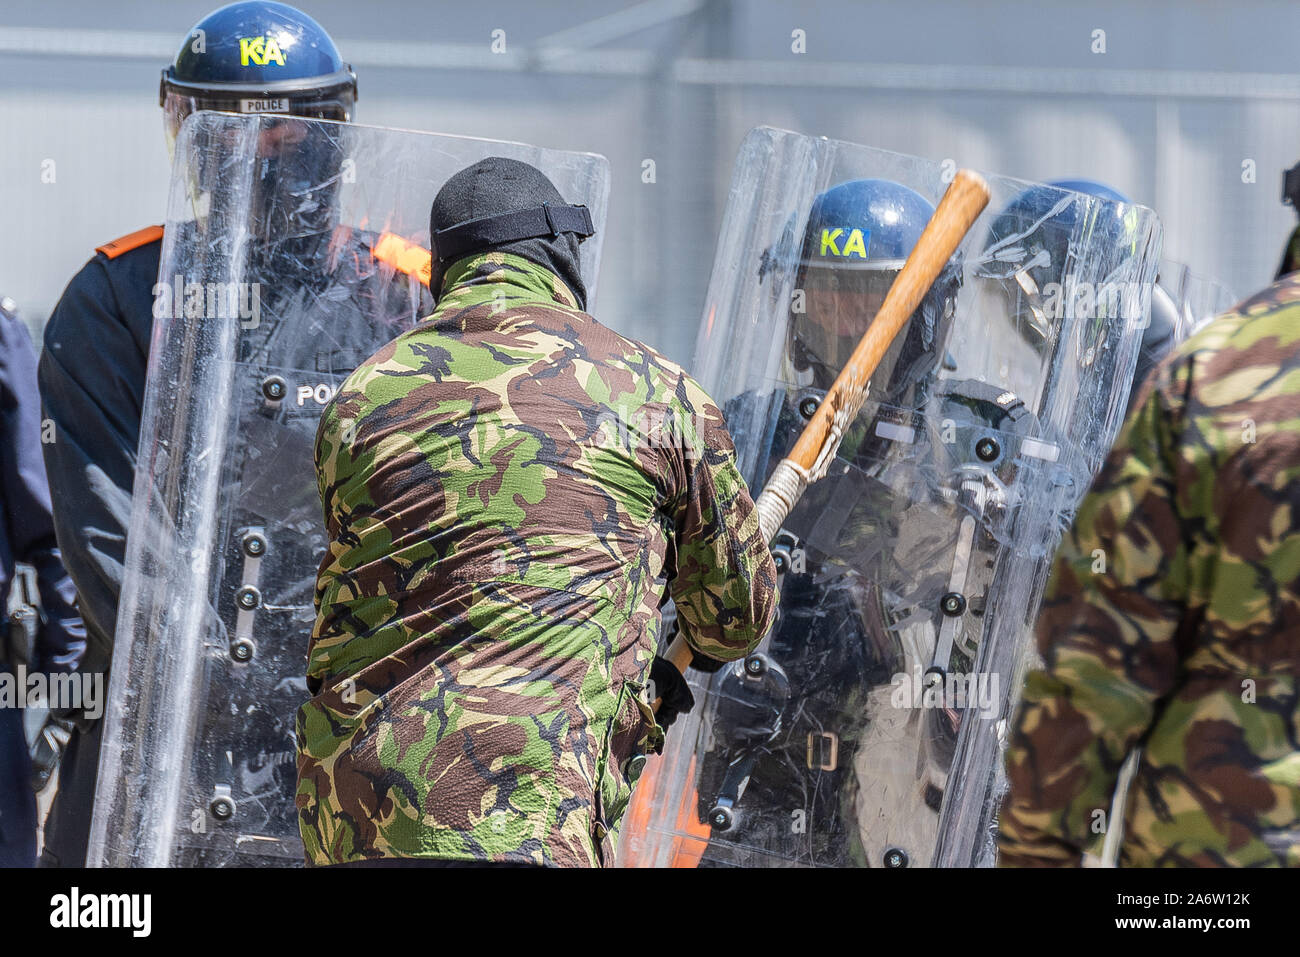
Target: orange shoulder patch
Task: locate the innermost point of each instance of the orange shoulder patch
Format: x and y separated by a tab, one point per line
124	244
405	256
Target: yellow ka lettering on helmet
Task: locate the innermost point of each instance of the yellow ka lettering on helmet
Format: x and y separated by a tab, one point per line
260	51
855	245
828	241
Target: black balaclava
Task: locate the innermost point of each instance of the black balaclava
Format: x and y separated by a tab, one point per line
498	185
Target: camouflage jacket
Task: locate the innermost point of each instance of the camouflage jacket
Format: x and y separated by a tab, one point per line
510	490
1172	621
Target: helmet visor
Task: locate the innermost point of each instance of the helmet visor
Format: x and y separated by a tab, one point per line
835	311
337	105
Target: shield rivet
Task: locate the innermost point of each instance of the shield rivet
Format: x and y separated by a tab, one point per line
274	388
248	598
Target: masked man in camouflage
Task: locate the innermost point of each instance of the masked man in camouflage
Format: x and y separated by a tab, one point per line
1172	622
511	492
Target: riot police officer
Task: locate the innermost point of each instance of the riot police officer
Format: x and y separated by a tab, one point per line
777	780
250	57
892	563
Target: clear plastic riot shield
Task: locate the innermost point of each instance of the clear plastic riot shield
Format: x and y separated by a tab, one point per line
867	728
293	249
1197	298
1180	304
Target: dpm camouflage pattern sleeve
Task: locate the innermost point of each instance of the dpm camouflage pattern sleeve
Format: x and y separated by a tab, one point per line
725	588
1171	622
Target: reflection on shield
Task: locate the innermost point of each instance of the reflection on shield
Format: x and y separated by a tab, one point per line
293	250
865	730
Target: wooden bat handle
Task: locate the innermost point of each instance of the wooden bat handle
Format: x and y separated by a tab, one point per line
965	199
679	653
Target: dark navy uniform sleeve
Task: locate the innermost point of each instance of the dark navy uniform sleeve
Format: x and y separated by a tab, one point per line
29	524
92	378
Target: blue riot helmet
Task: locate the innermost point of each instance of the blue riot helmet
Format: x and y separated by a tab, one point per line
269	59
859	234
1031	248
257	57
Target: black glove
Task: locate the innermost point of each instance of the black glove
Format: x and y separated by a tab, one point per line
668	684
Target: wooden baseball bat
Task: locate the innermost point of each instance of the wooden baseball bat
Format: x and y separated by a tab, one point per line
964	200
